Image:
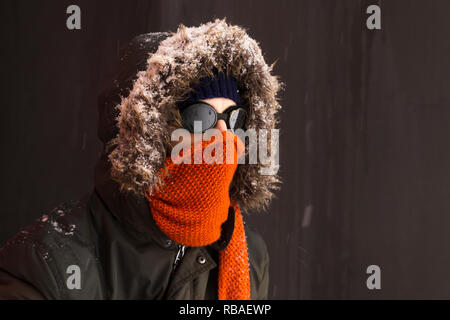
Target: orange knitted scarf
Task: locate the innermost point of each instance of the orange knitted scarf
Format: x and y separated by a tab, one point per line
192	205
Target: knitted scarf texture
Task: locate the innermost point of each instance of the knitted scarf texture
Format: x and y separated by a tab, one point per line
193	203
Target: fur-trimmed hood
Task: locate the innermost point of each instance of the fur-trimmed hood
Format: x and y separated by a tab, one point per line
147	115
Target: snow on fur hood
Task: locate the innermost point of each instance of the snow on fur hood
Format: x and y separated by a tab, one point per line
148	115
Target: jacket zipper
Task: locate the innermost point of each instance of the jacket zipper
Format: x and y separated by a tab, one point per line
178	257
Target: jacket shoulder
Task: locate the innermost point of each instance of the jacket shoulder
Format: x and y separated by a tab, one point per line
42	253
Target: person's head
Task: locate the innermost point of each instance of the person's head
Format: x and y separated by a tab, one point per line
147	112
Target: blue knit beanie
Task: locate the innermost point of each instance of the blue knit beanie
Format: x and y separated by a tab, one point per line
218	86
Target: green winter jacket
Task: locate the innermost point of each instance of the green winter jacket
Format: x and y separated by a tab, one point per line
120	253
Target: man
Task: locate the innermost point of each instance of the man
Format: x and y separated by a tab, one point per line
152	228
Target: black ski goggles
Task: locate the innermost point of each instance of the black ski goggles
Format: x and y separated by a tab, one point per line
234	117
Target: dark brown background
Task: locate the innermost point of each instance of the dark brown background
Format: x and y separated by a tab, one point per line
364	135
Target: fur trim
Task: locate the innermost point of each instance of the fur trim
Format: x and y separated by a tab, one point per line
148	115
